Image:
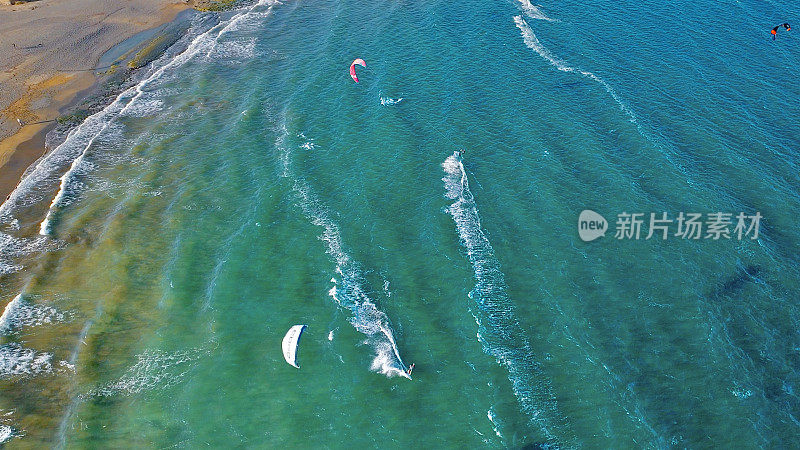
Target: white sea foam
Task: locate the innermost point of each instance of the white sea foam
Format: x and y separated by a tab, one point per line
8	429
13	247
235	51
309	145
6	433
386	288
16	360
153	370
348	292
250	17
388	101
495	423
20	313
148	104
533	11
6	268
499	330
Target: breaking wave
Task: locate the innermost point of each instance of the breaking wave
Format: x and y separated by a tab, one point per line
20	313
6	433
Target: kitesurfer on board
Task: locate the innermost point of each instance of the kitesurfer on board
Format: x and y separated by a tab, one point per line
775	30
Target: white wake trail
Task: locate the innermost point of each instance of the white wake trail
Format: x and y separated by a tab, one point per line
534	12
532	42
499	330
348	292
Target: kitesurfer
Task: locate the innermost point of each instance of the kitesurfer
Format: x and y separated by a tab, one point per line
410	368
775	30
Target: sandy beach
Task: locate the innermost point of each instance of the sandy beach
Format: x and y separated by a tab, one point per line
51	49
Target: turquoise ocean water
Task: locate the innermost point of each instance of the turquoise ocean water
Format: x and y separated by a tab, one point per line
153	262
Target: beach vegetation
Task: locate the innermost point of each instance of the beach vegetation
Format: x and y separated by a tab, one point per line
73	118
214	5
148	53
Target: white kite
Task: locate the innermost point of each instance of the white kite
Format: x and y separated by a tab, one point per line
290	342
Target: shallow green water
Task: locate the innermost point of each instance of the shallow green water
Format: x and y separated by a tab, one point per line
246	184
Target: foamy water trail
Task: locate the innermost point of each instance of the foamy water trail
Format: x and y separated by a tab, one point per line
499	331
533	11
495	422
532	42
348	291
388	101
